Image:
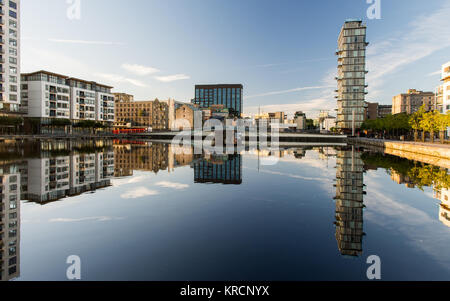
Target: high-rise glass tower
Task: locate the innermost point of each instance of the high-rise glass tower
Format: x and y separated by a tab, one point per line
9	55
351	75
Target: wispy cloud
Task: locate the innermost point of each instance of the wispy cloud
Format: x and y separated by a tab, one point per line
435	73
85	219
295	62
120	79
288	91
139	69
425	36
172	185
172	78
86	42
138	192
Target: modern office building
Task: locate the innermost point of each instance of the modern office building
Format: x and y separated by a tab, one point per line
351	75
411	101
131	113
9	56
48	96
230	96
349	202
446	87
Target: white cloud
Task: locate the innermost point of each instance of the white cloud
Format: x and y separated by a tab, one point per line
131	180
172	185
172	78
121	79
289	91
138	192
84	42
85	219
435	73
425	35
139	69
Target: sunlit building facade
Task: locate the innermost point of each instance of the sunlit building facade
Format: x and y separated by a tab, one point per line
351	76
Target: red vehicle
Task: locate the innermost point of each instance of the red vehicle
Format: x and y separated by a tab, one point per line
129	131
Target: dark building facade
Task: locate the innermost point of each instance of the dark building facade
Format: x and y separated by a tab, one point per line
219	170
230	96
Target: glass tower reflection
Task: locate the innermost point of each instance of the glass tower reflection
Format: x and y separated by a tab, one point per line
223	169
349	202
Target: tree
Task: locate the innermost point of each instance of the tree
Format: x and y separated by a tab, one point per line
430	122
415	122
443	122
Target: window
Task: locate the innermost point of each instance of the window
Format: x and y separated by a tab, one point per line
13	5
13	14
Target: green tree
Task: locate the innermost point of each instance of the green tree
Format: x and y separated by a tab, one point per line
430	123
443	122
415	122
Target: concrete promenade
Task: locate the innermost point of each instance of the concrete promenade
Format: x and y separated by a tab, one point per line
430	153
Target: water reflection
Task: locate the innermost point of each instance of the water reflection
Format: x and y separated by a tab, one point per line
51	171
349	202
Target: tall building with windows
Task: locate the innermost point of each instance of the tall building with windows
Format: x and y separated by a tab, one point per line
10	194
230	96
131	113
349	202
10	55
411	101
446	87
47	95
351	75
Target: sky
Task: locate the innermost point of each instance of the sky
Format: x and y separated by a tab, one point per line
282	51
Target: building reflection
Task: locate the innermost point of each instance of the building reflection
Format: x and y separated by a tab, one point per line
218	169
10	185
349	202
140	156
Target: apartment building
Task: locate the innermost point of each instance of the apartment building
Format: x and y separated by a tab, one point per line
446	87
351	75
411	101
9	56
9	222
439	99
47	95
131	113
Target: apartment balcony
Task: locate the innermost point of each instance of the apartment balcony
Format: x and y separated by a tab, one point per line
2	21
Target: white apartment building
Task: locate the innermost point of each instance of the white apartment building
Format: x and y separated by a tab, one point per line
49	95
446	86
10	55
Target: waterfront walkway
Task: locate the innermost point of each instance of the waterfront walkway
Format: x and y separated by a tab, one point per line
430	153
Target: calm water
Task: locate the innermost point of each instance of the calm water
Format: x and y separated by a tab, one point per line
140	212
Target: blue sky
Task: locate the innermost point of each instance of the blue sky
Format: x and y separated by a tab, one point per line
281	51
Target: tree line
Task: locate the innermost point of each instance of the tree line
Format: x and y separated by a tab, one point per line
420	122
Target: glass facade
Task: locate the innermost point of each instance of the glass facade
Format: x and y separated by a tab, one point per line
230	96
